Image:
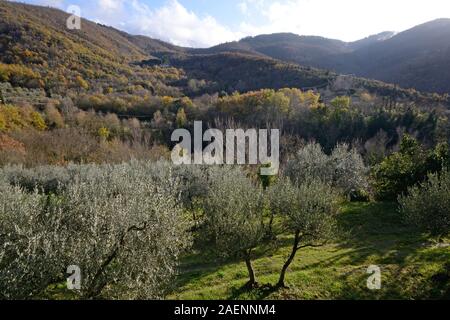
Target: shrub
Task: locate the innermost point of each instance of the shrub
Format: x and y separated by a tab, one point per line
11	150
2	122
427	206
37	121
15	118
53	117
181	118
343	102
18	75
407	167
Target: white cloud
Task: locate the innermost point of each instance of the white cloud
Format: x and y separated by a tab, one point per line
175	23
110	4
50	3
243	7
171	22
345	19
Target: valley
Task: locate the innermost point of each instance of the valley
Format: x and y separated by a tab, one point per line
89	121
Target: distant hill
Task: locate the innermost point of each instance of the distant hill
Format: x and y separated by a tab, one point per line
240	72
418	58
37	51
370	40
24	25
304	50
414	58
284	46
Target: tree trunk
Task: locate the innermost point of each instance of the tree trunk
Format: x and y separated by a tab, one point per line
98	284
289	260
271	224
194	216
251	274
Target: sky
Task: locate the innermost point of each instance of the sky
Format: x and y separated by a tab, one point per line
204	23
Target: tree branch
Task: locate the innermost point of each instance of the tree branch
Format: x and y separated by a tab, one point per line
312	245
96	288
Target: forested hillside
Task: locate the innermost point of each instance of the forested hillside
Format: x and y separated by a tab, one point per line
410	59
37	51
63	74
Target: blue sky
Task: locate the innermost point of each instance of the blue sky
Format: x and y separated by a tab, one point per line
203	23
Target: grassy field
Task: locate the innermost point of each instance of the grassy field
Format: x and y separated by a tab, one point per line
413	265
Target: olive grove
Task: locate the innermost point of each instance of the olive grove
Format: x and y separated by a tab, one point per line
121	225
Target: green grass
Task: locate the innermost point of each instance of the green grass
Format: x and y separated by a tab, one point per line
413	265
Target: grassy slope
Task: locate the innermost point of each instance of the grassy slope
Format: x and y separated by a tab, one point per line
413	266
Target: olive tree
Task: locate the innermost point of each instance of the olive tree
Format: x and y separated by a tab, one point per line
308	211
427	206
29	259
343	169
193	189
45	179
234	215
125	229
350	172
309	161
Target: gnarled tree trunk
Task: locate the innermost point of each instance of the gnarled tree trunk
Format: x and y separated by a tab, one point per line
286	265
251	274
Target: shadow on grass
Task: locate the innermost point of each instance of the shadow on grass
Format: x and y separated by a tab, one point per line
258	293
373	233
376	234
204	262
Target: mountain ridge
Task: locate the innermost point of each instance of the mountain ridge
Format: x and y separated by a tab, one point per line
413	58
102	58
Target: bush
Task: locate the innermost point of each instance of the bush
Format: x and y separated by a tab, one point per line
407	167
19	75
46	179
15	118
427	206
